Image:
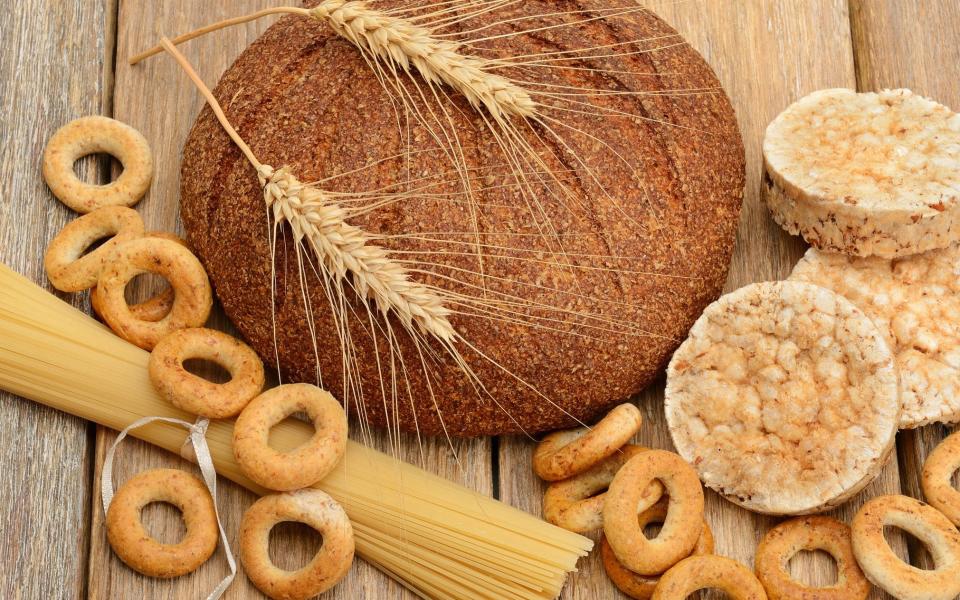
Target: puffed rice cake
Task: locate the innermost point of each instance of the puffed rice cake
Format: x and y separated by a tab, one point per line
915	302
784	398
873	174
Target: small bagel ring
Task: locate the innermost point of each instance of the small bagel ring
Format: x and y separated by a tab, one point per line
193	297
89	135
195	394
942	463
154	308
809	533
310	507
885	569
306	464
641	587
141	552
574	503
68	269
709	571
684	519
563	454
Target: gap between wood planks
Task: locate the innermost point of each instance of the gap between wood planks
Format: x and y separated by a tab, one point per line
106	168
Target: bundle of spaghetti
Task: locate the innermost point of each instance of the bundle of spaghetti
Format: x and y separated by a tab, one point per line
439	539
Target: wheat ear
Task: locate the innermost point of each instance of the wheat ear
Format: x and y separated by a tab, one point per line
402	45
398	41
345	250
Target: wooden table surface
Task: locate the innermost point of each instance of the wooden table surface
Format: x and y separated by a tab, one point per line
61	60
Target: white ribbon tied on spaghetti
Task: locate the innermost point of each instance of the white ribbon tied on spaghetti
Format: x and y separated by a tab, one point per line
197	439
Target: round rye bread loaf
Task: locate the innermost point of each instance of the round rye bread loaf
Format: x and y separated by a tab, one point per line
640	240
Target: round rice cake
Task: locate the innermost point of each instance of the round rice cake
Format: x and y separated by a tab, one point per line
873	174
784	398
915	302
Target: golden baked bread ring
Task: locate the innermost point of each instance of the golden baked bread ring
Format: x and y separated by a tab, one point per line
936	477
193	297
90	135
683	523
709	571
563	454
575	503
137	548
310	507
885	569
640	587
809	533
304	465
195	394
68	268
154	308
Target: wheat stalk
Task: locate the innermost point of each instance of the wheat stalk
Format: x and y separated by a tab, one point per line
344	250
402	45
399	41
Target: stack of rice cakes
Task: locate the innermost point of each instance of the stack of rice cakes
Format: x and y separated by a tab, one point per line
787	396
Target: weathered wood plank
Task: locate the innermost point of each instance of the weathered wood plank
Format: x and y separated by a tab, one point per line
767	53
157	98
912	45
52	70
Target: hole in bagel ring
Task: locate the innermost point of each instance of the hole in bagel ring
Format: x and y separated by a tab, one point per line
563	454
637	586
90	135
152	309
137	548
193	298
709	571
785	540
304	465
938	471
683	523
885	569
67	267
575	503
310	507
195	394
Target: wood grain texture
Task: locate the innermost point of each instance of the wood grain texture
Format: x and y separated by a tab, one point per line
54	67
156	98
910	45
767	54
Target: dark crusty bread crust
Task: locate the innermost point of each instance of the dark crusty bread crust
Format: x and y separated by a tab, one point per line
304	98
